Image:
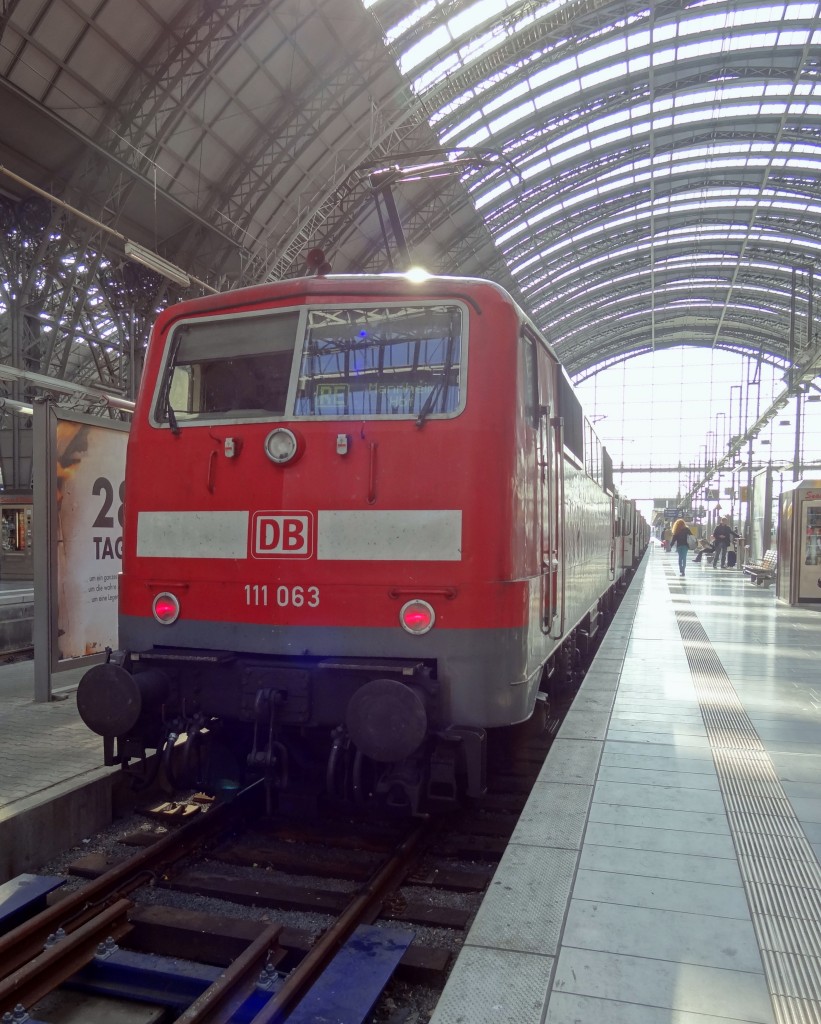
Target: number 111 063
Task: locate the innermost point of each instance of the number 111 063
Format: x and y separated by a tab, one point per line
257	596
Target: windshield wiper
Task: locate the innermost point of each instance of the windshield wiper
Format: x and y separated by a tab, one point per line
443	380
425	411
171	416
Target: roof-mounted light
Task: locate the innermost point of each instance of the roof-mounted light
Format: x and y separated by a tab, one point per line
417	275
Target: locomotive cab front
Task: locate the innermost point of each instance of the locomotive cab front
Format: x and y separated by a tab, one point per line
309	581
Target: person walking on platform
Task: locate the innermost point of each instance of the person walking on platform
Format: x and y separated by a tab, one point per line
722	535
680	539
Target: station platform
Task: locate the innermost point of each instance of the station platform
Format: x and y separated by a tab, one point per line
666	867
54	789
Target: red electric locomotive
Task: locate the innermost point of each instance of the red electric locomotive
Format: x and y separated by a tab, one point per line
366	520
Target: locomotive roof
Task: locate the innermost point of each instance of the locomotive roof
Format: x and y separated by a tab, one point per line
370	286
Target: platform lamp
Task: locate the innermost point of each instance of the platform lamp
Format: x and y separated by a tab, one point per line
12	405
147	258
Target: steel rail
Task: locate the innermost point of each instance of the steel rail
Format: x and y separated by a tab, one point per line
62	957
24	943
367	902
219	1001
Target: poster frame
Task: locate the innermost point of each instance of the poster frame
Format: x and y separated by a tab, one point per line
47	661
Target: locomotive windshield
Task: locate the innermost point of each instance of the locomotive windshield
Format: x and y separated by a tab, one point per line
403	361
380	362
234	366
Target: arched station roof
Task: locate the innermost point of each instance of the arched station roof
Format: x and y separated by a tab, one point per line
638	176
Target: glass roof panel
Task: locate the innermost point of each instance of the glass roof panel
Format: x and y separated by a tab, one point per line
476	14
641	39
425	48
408	22
695	235
677	145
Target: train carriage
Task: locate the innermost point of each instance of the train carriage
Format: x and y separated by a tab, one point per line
366	522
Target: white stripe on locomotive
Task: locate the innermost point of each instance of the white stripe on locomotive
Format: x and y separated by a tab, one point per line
409	535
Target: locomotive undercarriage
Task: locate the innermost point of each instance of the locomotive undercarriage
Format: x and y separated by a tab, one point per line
361	731
564	671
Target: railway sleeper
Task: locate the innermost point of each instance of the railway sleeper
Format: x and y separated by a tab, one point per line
349	985
216	940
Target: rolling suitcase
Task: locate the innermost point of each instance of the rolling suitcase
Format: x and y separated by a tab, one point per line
731	559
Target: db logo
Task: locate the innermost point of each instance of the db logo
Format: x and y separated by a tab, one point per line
281	535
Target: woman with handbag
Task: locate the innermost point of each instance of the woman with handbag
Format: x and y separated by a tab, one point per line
682	539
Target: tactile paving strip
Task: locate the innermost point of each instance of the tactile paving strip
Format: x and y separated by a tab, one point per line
781	875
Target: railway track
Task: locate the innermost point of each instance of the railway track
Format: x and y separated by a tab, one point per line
14	654
393	900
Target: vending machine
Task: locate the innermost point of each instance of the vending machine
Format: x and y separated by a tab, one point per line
798	570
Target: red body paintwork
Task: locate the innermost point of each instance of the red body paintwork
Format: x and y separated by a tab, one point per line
468	463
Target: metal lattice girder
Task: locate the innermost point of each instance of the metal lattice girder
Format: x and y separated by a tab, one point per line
171	82
64	310
540	248
631	331
233	135
167	86
178	78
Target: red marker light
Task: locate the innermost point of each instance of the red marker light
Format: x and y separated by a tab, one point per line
417	617
166	608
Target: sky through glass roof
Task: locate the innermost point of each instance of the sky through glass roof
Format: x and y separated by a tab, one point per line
652	174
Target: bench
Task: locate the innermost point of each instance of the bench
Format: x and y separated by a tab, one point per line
763	572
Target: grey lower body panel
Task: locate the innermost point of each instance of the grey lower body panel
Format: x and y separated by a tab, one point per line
489	677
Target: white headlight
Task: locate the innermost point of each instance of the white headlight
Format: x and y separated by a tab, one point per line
280	445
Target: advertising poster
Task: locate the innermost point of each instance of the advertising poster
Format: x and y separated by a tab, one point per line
90	473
